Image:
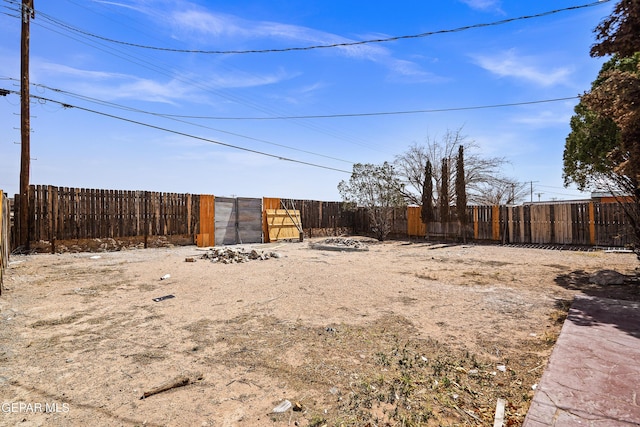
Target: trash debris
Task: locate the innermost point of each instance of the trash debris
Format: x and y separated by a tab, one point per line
165	277
501	368
237	255
164	298
297	406
535	386
190	259
333	390
498	420
95	257
282	407
331	330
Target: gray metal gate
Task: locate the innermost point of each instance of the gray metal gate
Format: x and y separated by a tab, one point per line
238	220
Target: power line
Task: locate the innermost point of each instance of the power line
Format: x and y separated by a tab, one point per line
316	116
381	113
327	46
175	132
170	117
165	68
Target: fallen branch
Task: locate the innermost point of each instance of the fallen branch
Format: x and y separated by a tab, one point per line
180	381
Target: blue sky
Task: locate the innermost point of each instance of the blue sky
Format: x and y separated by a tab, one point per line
521	61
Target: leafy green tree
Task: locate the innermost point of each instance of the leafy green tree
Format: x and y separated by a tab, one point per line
378	189
618	33
603	148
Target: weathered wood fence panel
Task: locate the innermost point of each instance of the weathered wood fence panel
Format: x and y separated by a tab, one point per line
581	223
611	225
5	238
62	213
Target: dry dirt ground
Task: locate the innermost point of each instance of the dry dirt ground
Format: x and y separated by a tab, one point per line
406	333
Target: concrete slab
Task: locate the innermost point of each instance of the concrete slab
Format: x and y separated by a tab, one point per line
593	376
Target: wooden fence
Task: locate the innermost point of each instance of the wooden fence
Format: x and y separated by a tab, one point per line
583	223
5	239
59	213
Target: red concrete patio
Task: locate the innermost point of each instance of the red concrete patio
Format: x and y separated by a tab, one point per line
593	376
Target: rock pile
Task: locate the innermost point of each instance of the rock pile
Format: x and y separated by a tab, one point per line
237	255
340	244
344	241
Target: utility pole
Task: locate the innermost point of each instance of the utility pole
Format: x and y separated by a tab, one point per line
28	13
532	189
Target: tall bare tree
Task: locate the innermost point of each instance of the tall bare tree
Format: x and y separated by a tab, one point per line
480	171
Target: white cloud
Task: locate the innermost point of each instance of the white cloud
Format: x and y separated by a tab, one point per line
510	64
219	29
111	86
544	119
483	4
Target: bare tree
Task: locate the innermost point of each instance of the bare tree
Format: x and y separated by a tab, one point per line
481	173
501	191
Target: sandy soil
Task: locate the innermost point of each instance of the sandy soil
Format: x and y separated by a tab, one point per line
402	334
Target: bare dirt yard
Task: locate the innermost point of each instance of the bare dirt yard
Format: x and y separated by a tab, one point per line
401	334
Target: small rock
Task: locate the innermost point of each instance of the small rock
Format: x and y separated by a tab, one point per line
607	277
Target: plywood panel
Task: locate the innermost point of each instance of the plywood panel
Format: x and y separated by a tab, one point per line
283	224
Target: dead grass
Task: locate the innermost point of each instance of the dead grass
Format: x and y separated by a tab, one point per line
401	335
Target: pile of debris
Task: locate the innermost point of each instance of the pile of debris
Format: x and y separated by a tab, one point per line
340	244
237	255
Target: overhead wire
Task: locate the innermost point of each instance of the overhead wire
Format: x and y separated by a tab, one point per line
156	114
383	113
312	116
332	45
187	135
138	60
273	116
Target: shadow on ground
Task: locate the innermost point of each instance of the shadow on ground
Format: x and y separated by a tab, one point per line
617	305
579	280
